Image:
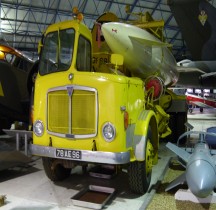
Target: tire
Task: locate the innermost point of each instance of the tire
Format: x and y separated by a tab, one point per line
139	180
139	176
55	172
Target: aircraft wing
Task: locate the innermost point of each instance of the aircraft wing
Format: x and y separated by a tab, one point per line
200	104
181	69
206	75
189	77
197	76
178	151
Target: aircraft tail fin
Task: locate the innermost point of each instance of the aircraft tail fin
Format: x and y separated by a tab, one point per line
196	19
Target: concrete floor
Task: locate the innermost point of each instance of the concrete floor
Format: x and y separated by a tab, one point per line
204	120
27	187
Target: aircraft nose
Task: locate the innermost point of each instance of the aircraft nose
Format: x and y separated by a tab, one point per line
201	178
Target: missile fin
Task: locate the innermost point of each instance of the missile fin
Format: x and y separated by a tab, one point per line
178	181
178	151
150	42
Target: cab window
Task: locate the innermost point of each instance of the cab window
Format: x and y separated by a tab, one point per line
83	62
57	51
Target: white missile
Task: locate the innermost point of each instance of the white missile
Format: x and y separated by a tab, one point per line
144	54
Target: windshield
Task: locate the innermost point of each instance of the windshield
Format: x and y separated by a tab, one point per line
57	52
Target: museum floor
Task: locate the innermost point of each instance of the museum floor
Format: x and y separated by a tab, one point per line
28	187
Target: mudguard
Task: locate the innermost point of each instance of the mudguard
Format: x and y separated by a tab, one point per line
146	126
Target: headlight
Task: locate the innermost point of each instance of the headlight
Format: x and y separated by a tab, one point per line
38	128
108	132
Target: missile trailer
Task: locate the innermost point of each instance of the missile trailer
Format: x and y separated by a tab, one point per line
81	116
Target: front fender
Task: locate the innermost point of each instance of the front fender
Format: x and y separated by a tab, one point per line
146	125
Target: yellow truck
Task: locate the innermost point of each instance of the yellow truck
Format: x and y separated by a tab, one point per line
81	116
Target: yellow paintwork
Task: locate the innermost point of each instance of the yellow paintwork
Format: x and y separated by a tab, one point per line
78	26
6	49
109	106
162	120
149	156
116	94
147	120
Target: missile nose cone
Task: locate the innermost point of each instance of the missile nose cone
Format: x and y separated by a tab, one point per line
112	33
201	178
105	28
108	29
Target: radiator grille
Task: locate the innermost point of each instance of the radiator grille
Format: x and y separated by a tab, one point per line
72	113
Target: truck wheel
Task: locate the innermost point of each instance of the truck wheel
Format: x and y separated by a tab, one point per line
139	180
55	172
139	172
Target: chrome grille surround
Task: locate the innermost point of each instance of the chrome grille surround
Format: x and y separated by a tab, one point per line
63	112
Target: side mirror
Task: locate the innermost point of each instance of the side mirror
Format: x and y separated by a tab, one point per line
40	46
117	59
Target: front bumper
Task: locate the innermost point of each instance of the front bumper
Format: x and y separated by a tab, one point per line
86	155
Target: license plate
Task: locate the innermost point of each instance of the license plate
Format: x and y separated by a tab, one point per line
70	154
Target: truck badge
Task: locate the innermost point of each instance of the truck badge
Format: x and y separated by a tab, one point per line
70	90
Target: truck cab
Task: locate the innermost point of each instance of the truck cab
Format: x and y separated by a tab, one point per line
81	116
